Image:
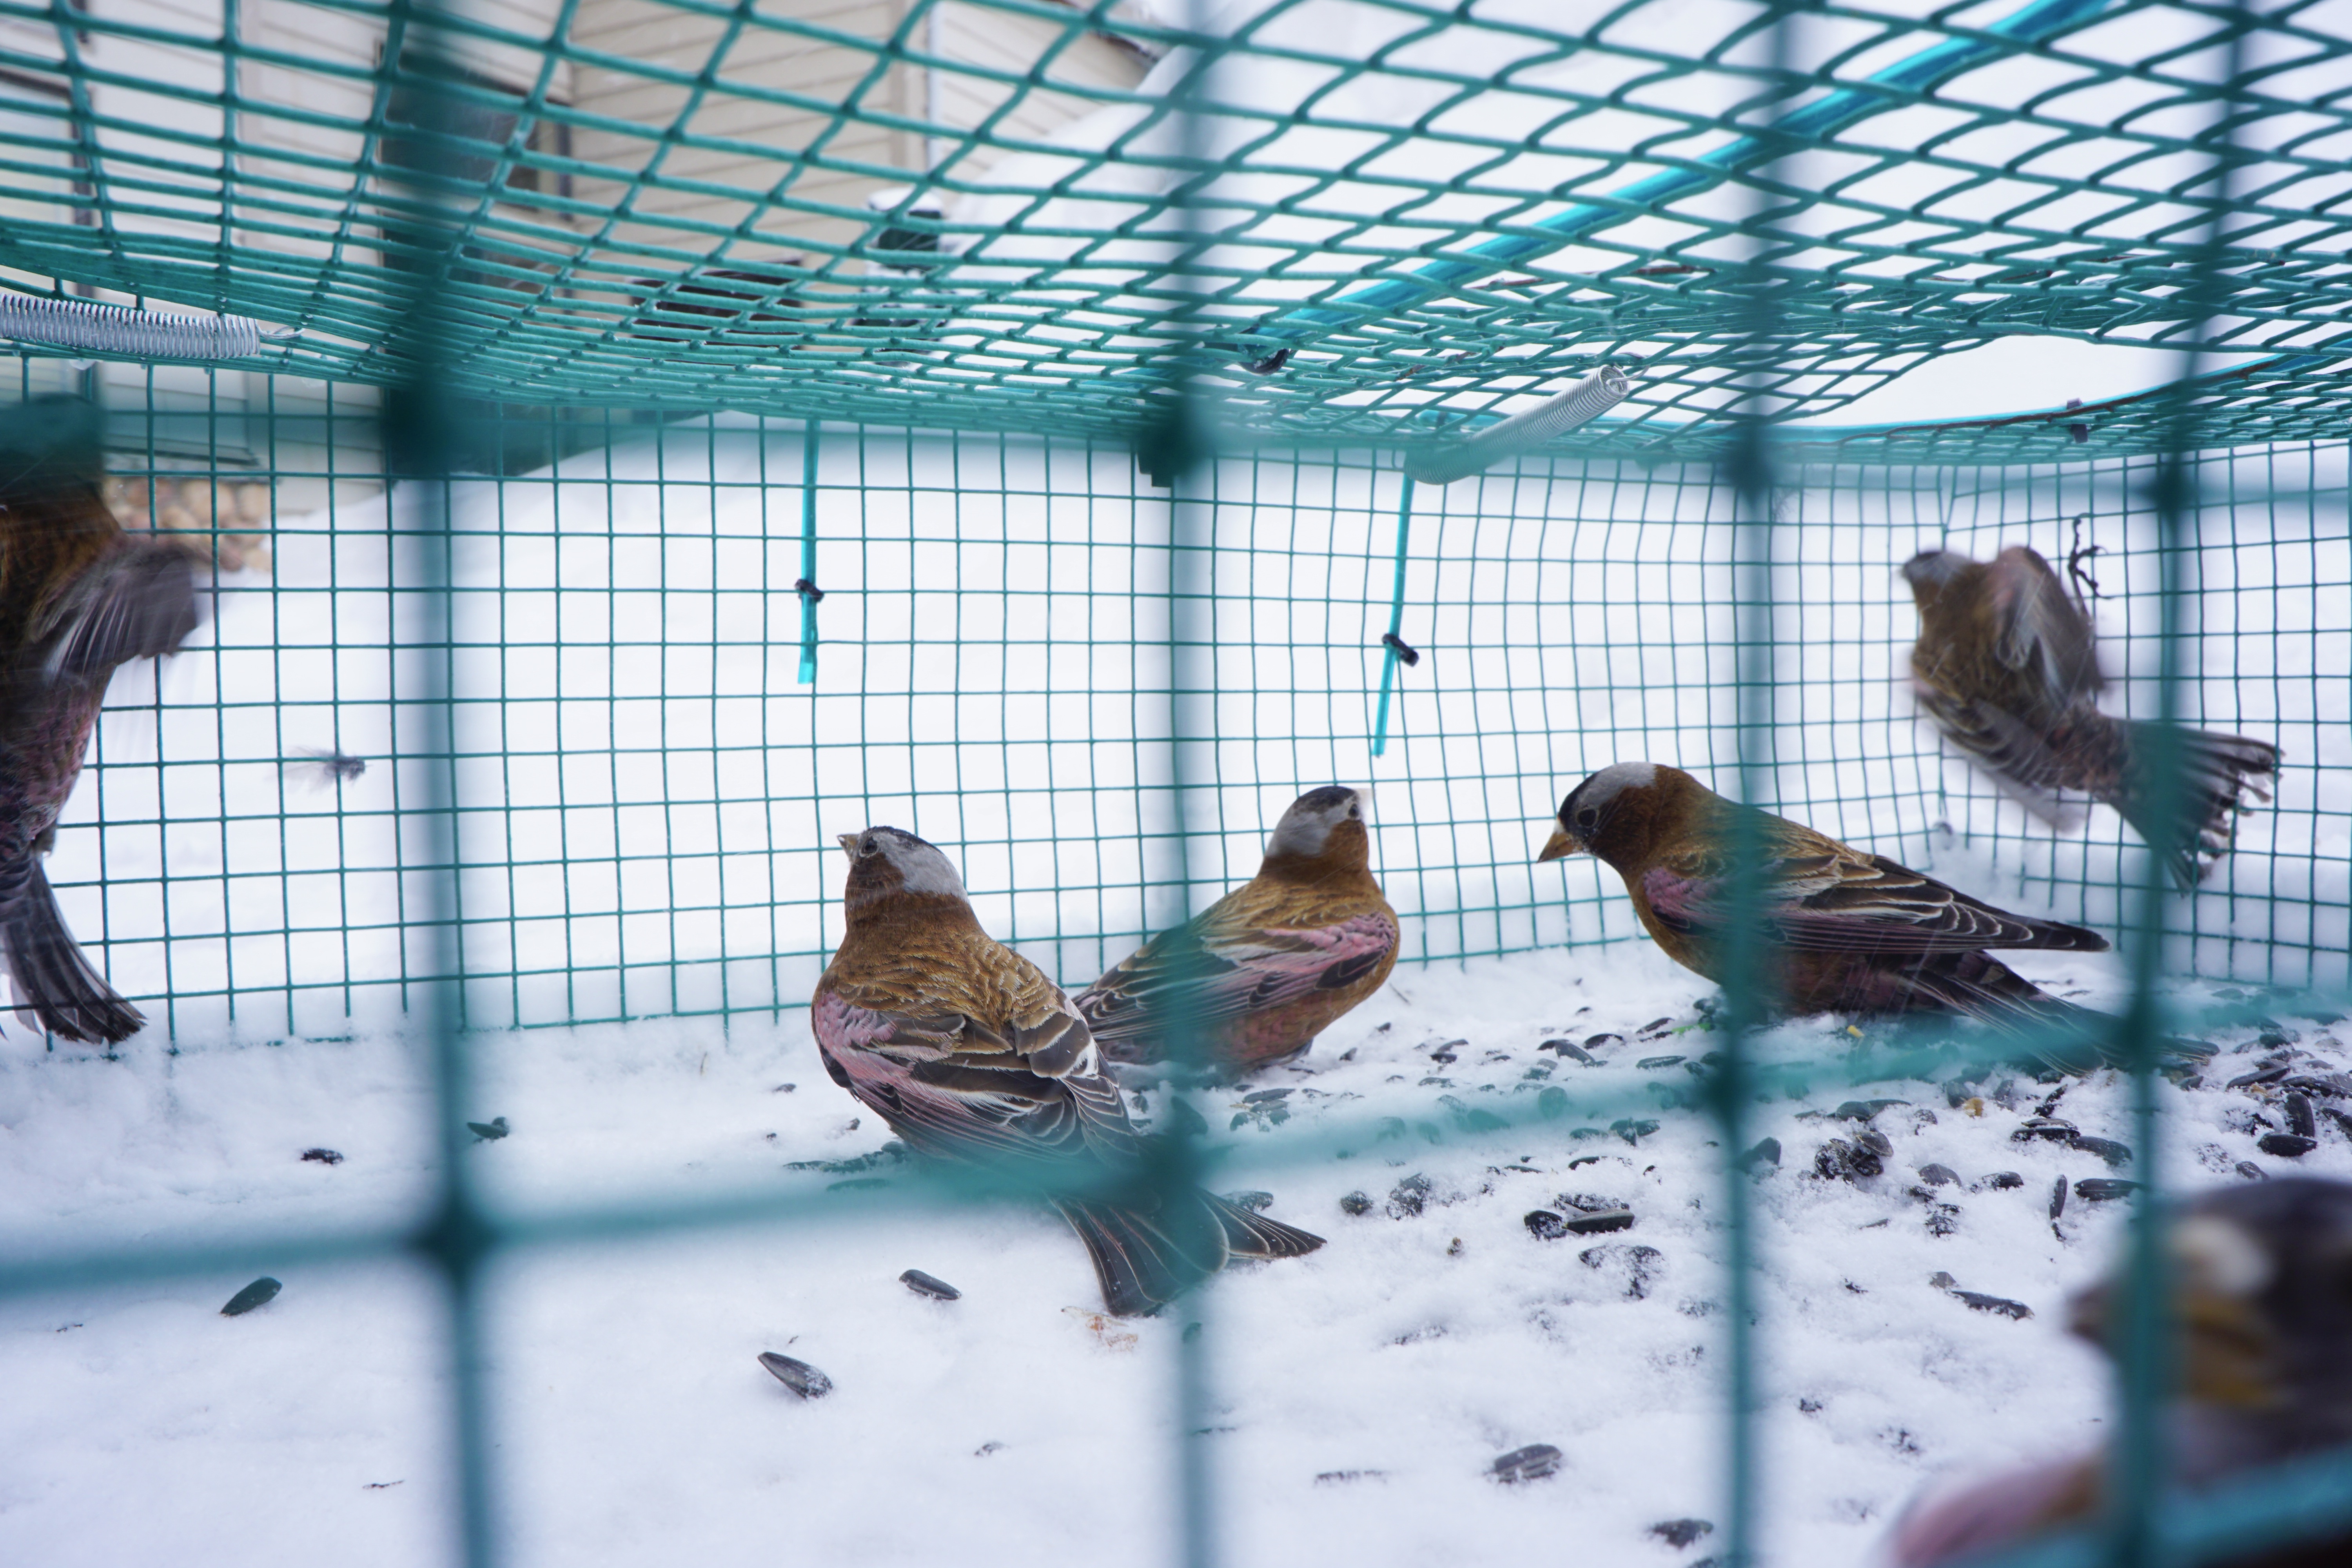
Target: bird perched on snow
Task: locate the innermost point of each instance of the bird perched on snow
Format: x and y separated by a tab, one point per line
974	1058
78	598
2262	1311
1256	975
2005	667
1841	931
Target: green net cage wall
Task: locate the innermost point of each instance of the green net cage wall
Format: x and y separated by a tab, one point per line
636	440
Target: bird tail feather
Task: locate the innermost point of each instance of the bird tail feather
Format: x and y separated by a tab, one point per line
1145	1258
1252	1234
2061	1035
56	988
2217	772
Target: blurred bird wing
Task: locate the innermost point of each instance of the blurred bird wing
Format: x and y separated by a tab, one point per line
1217	970
143	605
1834	899
2041	627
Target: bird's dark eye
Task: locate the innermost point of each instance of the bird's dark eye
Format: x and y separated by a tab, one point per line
867	846
1354	810
1590	816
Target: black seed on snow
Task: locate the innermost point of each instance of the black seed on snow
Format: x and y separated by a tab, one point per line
1342	1478
2042	1127
2001	1180
923	1284
1864	1110
1943	1219
1977	1301
1356	1203
2343	1122
2058	1198
2333	1084
1638	1262
1680	1532
260	1293
1552	1103
322	1156
488	1130
2273	1039
1409	1197
1601	1222
1545	1225
1766	1153
2253	1172
2299	1120
2102	1189
1939	1175
1654	1026
1632	1130
2107	1149
2286	1145
1261	1096
797	1376
1531	1463
1651	1064
1257	1203
1594	1042
1878	1142
2260	1075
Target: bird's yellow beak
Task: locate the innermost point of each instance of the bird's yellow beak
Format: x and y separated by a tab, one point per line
1560	845
848	842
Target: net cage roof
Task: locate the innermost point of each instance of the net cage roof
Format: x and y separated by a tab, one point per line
1358	222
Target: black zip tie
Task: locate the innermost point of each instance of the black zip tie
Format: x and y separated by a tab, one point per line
1404	650
808	590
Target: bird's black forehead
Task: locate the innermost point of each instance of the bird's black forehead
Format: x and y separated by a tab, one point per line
897	834
1325	798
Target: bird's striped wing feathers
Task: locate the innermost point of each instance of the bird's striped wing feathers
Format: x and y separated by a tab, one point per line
986	1056
1217	969
1823	897
2041	629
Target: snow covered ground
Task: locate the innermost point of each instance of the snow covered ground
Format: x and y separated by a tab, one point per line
1358	1397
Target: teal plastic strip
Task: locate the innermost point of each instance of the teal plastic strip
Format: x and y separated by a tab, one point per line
1394	641
812	439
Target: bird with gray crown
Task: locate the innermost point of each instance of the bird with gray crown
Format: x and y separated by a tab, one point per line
1256	975
977	1061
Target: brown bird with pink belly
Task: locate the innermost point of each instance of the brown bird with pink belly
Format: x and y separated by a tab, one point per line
1256	975
1841	931
976	1059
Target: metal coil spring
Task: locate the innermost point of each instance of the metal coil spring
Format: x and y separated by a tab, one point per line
95	327
1594	396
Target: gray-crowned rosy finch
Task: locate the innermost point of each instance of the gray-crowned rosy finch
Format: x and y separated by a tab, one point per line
1256	975
2005	667
974	1058
2262	1309
78	598
1840	931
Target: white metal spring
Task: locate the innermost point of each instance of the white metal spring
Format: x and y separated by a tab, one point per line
95	328
1594	396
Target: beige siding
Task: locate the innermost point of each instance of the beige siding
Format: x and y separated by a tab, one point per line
776	61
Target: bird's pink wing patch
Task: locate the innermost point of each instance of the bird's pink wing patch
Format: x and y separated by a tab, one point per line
936	1099
1276	966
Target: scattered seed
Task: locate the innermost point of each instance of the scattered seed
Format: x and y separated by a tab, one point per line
490	1130
2001	1180
2058	1198
2286	1145
1531	1463
1939	1175
2102	1189
923	1284
1680	1532
1766	1153
322	1156
260	1293
1356	1202
797	1376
